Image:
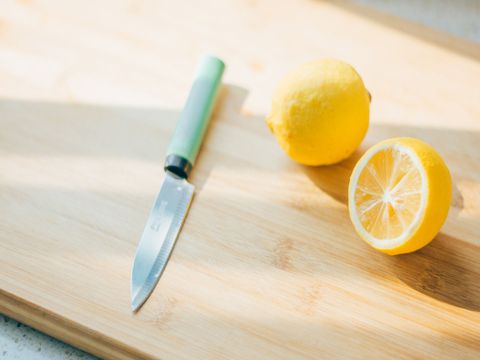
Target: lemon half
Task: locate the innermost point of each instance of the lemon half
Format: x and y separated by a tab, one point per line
399	195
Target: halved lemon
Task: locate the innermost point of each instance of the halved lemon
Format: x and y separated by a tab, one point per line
399	195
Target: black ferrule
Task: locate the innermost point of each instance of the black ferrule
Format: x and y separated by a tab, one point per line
178	165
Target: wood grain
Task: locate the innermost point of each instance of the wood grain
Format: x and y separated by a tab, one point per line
267	265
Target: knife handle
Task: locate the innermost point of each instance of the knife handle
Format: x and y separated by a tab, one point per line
193	121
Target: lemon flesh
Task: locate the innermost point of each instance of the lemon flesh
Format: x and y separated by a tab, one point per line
399	195
320	112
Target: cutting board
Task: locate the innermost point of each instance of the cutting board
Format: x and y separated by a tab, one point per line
267	265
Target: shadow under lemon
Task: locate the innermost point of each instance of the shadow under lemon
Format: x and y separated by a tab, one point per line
446	269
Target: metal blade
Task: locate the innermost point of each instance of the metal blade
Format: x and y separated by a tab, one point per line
161	231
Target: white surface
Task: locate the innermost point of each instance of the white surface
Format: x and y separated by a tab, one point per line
458	17
18	341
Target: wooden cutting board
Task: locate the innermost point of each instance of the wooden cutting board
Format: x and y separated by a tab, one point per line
267	265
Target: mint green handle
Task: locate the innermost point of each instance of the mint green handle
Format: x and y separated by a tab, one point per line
194	118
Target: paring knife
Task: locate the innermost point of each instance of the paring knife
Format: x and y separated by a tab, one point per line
173	200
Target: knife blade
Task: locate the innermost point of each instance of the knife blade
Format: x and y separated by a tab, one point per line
173	201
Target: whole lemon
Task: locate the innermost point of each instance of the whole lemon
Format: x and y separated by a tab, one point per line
320	112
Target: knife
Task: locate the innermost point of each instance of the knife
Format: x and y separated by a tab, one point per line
173	201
